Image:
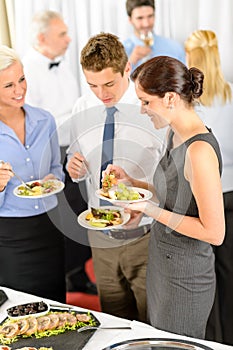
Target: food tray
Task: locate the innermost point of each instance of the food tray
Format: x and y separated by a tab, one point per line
71	340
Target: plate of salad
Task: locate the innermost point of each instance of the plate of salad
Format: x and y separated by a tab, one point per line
103	218
124	194
40	189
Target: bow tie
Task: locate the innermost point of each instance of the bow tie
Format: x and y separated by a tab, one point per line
53	64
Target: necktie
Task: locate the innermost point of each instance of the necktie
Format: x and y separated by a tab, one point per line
108	140
53	64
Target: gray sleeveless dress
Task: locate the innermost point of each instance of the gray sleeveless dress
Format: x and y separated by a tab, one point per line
180	273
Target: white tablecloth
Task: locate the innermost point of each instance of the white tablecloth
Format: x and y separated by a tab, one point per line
103	338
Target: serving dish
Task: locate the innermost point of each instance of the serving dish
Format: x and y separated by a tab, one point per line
44	189
66	337
157	344
21	311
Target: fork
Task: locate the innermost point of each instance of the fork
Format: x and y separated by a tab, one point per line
86	168
22	182
87	328
88	173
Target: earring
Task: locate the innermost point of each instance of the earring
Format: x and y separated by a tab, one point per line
171	107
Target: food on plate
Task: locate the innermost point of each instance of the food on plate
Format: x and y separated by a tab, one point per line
62	320
109	181
10	330
55	322
27	348
24	348
104	217
32	322
43	323
83	317
23	326
71	319
39	188
27	309
122	192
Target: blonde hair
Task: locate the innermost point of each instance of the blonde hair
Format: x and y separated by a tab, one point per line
202	52
7	57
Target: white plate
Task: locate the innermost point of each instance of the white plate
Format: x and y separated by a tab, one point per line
35	303
59	185
147	195
84	223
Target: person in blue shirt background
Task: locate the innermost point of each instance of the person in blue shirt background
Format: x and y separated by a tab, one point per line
31	246
144	44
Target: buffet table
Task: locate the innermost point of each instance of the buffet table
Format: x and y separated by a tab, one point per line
105	337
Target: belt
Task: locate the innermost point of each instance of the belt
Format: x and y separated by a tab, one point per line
128	234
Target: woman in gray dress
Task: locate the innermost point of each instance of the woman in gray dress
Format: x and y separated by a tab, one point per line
187	187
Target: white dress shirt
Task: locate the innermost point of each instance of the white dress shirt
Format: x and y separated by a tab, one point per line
219	118
137	145
55	90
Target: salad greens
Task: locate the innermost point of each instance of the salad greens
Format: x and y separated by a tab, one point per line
125	193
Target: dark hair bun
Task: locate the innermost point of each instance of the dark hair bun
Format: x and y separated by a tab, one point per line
197	78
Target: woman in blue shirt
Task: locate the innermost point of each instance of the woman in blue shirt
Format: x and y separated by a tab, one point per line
31	246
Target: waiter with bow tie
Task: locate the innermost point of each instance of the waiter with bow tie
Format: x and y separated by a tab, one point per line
51	85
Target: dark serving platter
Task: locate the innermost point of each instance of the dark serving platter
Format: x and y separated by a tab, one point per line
157	344
71	339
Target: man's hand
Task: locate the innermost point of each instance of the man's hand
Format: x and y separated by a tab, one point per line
138	53
75	167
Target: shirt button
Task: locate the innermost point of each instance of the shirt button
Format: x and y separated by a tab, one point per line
36	207
27	146
31	177
28	159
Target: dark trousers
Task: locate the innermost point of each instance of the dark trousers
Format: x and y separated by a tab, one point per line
220	324
121	275
73	202
32	255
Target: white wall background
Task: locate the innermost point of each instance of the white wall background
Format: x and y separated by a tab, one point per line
174	18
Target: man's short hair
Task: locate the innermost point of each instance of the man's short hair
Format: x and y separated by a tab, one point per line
132	4
103	51
41	24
